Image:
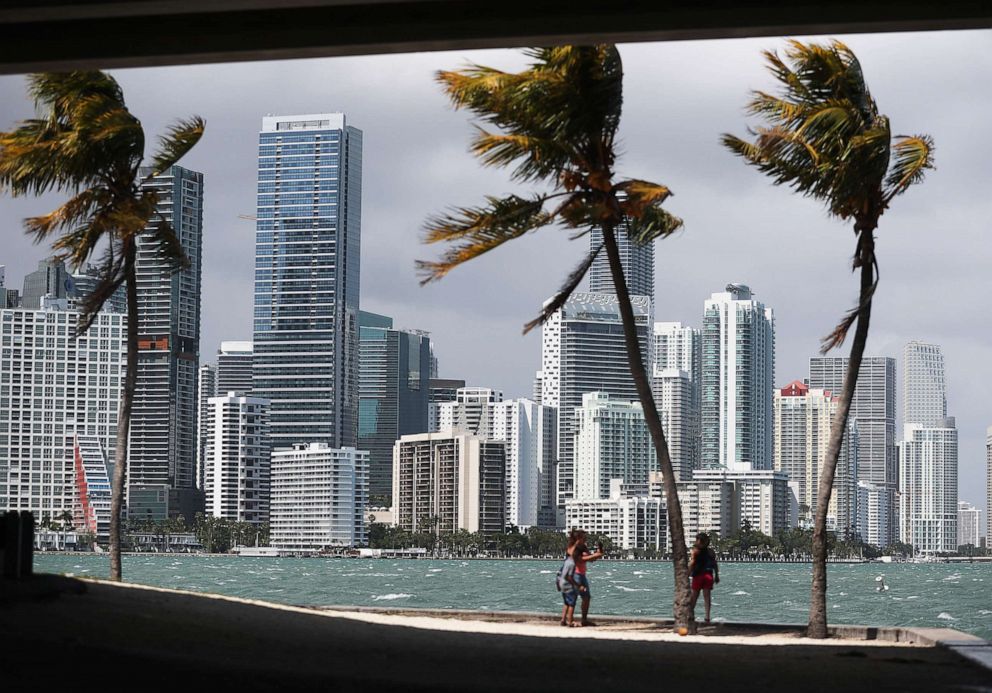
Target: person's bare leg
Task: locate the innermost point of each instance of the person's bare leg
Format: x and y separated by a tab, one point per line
706	601
692	603
564	614
585	610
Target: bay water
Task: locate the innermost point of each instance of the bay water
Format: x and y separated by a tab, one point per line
939	595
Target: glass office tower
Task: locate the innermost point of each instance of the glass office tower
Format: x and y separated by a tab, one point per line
307	251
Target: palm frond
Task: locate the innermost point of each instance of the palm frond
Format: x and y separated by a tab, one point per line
913	158
637	195
167	246
73	213
176	143
567	289
652	223
111	276
473	231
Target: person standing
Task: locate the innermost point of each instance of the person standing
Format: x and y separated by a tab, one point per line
582	556
704	570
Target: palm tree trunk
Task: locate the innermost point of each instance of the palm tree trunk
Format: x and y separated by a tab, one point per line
124	414
682	595
817	627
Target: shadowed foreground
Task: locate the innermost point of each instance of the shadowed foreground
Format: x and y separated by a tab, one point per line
153	640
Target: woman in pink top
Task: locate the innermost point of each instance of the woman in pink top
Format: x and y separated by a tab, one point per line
580	553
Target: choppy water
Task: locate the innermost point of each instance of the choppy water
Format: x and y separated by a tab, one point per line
933	595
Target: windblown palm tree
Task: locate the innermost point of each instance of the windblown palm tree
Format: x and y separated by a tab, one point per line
84	142
826	139
556	123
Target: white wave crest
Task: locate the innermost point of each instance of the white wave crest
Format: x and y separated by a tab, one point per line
632	589
740	593
392	596
944	616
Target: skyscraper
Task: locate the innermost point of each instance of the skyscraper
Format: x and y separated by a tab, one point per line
637	260
307	254
82	283
803	420
928	487
50	279
206	387
237	457
393	388
162	451
928	455
969	524
677	389
738	372
441	390
988	485
234	368
9	298
873	413
924	387
583	351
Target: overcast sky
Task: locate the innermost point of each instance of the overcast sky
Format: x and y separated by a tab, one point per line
932	245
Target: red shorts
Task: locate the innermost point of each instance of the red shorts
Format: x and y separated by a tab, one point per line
703	582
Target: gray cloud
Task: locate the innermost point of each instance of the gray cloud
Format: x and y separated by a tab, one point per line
678	98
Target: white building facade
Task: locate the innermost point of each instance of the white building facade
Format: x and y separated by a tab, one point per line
676	383
969	524
611	442
738	376
761	497
928	487
237	458
318	497
629	517
53	387
529	432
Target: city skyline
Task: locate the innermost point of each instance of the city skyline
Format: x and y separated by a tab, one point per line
807	302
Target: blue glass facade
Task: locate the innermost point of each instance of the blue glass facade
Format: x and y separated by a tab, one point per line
307	251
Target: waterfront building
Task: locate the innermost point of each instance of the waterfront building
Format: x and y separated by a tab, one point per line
874	513
235	367
236	479
393	392
583	350
318	497
50	280
873	414
529	432
307	259
206	387
162	451
447	481
924	385
676	383
611	442
969	524
804	418
628	516
761	496
91	505
53	387
440	390
637	260
708	505
928	487
470	412
738	372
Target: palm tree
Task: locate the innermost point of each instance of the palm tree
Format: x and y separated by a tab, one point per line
85	143
556	122
826	139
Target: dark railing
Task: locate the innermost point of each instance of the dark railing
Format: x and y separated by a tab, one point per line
16	544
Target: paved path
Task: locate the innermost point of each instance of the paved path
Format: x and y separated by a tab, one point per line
115	637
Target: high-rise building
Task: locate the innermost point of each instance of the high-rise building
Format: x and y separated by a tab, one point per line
444	482
677	388
440	390
393	390
611	442
162	450
53	388
91	506
583	350
318	497
875	513
738	373
470	412
928	487
307	257
761	496
969	524
631	518
803	421
529	433
83	282
924	386
206	387
51	279
988	485
234	367
236	477
873	413
637	260
708	505
9	298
